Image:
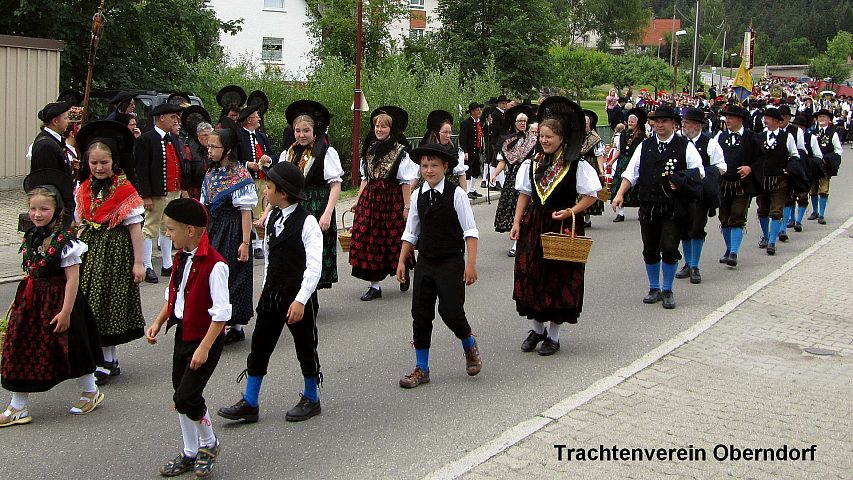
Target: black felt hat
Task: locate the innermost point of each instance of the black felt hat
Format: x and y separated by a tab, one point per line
246	111
165	109
399	117
773	112
593	118
111	133
70	95
288	177
736	111
435	150
53	110
188	211
192	116
570	115
513	113
665	110
501	98
824	111
802	120
179	98
640	114
231	95
492	101
313	109
785	110
260	98
57	181
121	97
474	105
694	114
436	119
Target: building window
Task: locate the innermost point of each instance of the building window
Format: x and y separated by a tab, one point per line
417	4
416	33
273	4
271	50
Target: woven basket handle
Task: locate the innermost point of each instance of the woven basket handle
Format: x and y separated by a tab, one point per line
343	215
574	235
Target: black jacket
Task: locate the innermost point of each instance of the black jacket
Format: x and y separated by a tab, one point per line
151	166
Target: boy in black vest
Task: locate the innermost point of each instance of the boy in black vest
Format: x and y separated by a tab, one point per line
293	248
442	226
830	146
779	146
197	302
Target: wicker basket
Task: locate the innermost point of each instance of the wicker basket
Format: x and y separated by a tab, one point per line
604	193
345	236
565	248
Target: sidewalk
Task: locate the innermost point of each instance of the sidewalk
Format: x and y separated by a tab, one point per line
751	381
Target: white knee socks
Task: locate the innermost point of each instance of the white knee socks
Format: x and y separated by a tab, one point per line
165	244
538	327
19	400
146	253
205	431
189	432
554	332
87	383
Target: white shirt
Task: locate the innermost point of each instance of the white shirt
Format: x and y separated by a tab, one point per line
460	204
586	179
70	155
816	151
312	239
220	311
72	253
134	216
407	171
332	169
715	152
632	171
836	143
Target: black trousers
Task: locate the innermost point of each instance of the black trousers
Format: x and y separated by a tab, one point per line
698	220
772	201
189	384
661	231
268	327
442	280
733	210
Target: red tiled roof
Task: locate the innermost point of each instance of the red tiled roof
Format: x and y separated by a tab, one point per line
656	30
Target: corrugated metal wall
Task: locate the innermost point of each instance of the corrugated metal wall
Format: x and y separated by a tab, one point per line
28	81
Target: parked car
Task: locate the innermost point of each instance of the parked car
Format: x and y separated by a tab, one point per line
145	101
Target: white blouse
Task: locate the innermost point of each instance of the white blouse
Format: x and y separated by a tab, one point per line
72	253
332	169
586	179
245	198
407	172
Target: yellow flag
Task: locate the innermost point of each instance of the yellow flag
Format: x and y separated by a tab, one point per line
743	82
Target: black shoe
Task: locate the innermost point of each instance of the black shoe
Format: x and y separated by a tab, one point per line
771	249
684	272
259	253
619	218
587	224
533	339
763	242
798	227
303	410
177	466
510	253
813	216
234	336
783	236
240	411
496	188
668	300
471	196
653	296
477	194
371	294
694	276
105	372
483	184
549	347
732	260
166	272
790	223
821	220
205	460
405	285
150	276
725	257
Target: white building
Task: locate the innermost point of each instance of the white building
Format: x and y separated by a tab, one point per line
274	31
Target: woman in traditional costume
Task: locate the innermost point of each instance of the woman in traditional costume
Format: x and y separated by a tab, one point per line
440	131
592	151
626	143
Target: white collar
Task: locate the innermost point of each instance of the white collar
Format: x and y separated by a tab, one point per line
666	142
775	133
250	131
286	211
739	132
55	135
159	131
438	188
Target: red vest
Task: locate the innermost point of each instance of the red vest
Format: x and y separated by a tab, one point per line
197	297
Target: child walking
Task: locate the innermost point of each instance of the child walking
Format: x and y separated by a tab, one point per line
442	226
197	302
51	335
293	248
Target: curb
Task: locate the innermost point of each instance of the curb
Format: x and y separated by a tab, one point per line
526	428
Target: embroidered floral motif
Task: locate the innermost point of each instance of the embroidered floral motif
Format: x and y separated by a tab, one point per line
550	177
221	182
37	257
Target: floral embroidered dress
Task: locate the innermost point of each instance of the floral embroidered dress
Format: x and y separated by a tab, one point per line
35	359
590	151
516	148
105	209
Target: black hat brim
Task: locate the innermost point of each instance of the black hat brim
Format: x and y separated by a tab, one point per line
273	175
179	98
314	109
59	180
437	118
399	117
641	115
247	111
165	109
513	113
434	150
571	116
53	110
259	97
593	118
231	95
192	116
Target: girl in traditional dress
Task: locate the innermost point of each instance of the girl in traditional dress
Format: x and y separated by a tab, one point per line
550	184
321	166
440	131
110	214
228	192
593	152
626	143
51	335
517	146
382	205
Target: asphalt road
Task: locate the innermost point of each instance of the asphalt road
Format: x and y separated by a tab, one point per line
370	427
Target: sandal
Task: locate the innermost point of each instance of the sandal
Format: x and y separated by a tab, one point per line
14	417
205	460
87	403
177	466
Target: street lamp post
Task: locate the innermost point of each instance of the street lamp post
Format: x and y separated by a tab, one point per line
659	40
357	93
675	60
731	65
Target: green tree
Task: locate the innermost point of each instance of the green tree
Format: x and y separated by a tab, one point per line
655	72
579	69
833	64
625	20
797	51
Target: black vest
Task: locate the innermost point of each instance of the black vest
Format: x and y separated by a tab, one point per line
441	232
316	175
826	138
738	155
565	194
286	259
701	145
654	185
777	157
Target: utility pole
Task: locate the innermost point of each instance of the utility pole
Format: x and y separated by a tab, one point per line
673	33
723	59
695	52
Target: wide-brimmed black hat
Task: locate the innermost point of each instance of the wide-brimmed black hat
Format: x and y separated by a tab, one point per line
231	95
399	117
57	181
513	113
736	111
192	116
785	110
773	112
474	105
501	98
695	115
179	98
165	109
824	111
436	119
288	177
570	115
640	114
53	110
114	135
665	110
492	101
313	109
259	97
246	111
593	118
70	95
121	97
188	211
435	150
802	120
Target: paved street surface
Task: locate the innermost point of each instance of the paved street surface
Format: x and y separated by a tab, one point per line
370	428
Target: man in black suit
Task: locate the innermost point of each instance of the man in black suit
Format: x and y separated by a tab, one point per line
471	141
255	153
498	131
159	180
49	150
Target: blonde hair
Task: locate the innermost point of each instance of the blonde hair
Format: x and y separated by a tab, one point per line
384	118
41	191
554	125
304	118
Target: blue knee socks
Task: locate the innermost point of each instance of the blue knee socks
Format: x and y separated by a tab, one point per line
736	236
468	342
696	251
787	216
801	212
821	206
253	389
312	392
687	250
727	237
775	228
814	203
422	358
669	270
765	226
653	272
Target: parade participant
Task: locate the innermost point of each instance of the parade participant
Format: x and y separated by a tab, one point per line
123	103
110	211
553	186
626	142
320	163
442	226
231	98
811	152
196	123
200	314
439	130
830	146
700	209
228	193
497	128
655	166
293	247
779	146
518	145
788	217
51	335
382	204
255	153
50	150
593	152
472	142
159	179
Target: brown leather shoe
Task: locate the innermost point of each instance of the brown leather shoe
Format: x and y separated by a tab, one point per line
473	364
415	378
